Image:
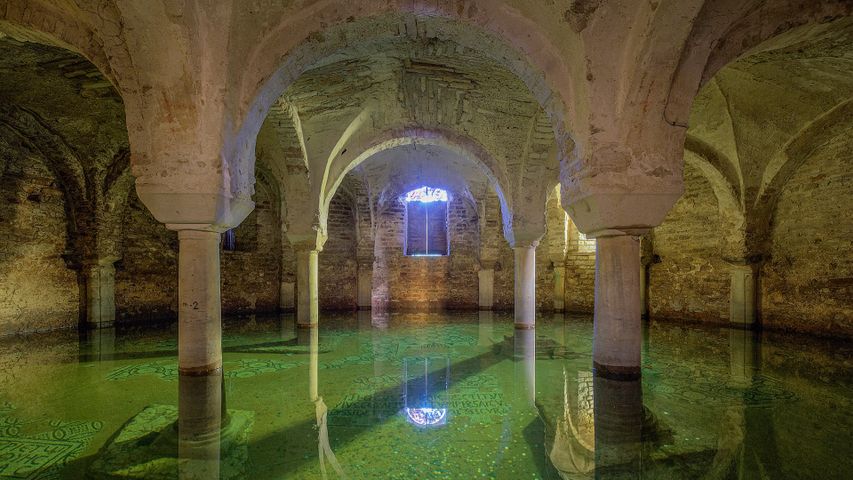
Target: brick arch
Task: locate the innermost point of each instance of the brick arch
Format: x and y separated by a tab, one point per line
294	45
459	145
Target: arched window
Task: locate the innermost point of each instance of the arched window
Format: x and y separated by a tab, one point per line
229	240
426	222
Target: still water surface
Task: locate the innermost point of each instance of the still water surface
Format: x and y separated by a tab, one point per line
417	396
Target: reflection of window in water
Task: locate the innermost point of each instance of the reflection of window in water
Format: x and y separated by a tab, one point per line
425	384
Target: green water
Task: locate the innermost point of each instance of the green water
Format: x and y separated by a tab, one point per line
425	396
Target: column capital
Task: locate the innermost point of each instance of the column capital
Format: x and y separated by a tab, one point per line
186	230
620	187
302	242
488	264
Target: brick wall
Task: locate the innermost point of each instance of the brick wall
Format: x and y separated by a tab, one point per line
580	271
37	290
147	275
691	281
808	281
338	268
250	274
420	283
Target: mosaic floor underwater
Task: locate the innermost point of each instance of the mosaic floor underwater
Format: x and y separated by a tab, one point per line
457	396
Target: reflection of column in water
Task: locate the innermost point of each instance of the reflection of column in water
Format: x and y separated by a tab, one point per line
525	365
364	319
314	364
200	420
379	322
97	344
310	337
288	326
744	356
486	328
618	427
747	434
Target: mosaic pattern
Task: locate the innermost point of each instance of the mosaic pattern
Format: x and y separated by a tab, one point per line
41	456
476	399
133	454
168	370
688	388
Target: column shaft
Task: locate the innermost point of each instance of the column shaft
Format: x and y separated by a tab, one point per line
199	314
742	296
364	288
617	327
559	288
100	295
525	286
487	288
286	296
307	309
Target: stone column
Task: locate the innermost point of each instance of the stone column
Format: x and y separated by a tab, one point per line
100	294
486	282
364	287
307	308
199	308
742	300
559	287
287	292
525	284
617	329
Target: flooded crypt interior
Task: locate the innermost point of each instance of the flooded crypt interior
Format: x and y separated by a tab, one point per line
426	239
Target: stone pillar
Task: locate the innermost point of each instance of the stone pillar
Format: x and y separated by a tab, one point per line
199	307
200	418
287	293
307	308
100	294
364	287
487	287
525	285
559	287
617	329
742	304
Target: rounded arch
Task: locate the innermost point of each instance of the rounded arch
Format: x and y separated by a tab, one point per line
300	42
726	30
462	146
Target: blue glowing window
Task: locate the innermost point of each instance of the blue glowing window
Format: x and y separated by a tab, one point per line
426	222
